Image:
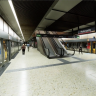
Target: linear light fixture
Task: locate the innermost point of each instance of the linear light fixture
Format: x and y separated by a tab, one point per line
13	10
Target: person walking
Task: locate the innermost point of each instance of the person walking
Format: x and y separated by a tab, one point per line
28	45
23	49
80	49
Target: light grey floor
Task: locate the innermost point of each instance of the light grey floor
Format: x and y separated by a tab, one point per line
33	74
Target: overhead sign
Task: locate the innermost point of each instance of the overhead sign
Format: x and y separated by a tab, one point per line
86	31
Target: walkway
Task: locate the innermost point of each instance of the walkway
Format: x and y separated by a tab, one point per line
33	74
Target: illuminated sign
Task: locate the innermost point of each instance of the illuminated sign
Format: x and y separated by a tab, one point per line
86	31
38	36
78	37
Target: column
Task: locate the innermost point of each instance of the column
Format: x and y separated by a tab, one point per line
2	51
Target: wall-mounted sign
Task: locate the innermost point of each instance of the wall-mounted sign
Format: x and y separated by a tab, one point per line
86	31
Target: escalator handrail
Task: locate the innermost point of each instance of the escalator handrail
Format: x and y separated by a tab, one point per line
58	46
67	46
54	41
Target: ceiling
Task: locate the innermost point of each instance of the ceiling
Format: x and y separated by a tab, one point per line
30	13
82	15
49	15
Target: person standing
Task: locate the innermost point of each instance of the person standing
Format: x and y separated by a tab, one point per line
80	49
23	49
28	45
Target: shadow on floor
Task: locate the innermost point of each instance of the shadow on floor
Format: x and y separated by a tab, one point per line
13	57
3	68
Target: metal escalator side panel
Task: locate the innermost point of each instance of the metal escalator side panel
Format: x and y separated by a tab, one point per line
58	49
53	45
56	40
40	46
48	45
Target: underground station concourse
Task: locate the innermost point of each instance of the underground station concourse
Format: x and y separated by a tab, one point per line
48	48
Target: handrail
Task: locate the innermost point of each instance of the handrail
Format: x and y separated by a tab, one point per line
67	46
45	47
57	46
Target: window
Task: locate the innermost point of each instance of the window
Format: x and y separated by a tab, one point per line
1	24
5	27
10	31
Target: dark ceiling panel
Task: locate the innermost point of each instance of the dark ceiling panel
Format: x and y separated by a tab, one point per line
81	14
61	26
30	13
85	8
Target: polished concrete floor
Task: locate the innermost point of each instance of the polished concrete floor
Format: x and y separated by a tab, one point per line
33	74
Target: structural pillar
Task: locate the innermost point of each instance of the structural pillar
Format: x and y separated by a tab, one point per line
9	52
95	26
91	47
2	51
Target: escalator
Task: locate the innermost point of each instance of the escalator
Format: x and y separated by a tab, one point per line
63	45
59	51
52	47
48	48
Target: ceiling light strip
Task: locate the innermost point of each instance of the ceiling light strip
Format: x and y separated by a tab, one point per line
13	10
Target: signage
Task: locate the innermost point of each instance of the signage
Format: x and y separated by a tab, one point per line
86	31
78	37
54	36
38	35
92	39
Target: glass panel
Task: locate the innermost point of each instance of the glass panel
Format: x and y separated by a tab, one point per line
5	27
12	48
10	31
1	23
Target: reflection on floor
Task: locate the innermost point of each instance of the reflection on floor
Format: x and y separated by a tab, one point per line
33	74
